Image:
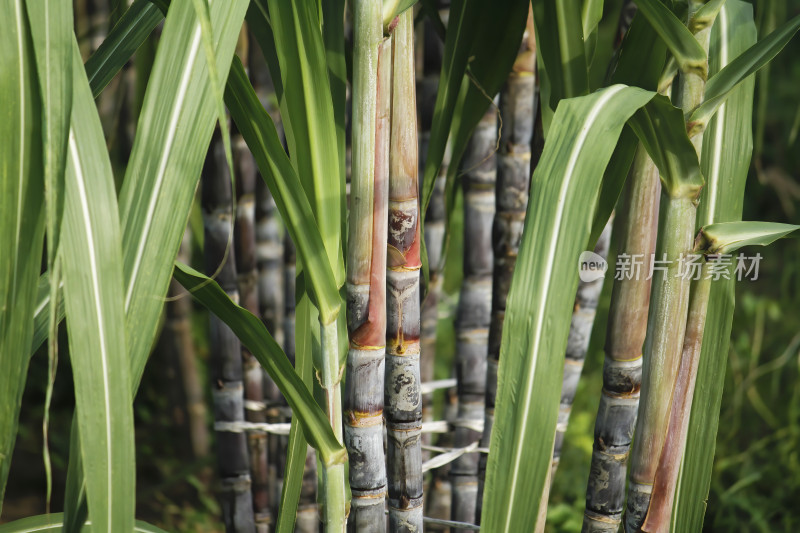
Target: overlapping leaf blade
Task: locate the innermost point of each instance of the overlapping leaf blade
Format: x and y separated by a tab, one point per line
679	40
259	131
122	41
93	298
174	130
748	62
309	119
21	217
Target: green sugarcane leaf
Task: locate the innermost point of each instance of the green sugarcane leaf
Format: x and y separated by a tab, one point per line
41	318
679	40
308	117
727	147
51	30
748	62
261	136
21	217
706	15
641	60
253	334
93	295
175	127
564	192
174	131
122	41
55	522
726	237
333	35
503	26
393	8
660	127
559	41
298	444
591	14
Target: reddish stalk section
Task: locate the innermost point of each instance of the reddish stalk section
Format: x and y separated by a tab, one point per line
402	383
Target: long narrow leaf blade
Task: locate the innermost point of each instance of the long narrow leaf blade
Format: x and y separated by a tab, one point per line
308	103
93	300
122	41
259	131
564	191
55	522
679	40
253	334
21	217
748	62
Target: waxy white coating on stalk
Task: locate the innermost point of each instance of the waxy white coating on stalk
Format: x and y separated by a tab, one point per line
366	268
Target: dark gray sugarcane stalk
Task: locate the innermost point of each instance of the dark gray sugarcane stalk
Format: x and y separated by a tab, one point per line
226	373
403	397
177	335
366	269
269	259
439	493
668	314
518	105
580	333
247	281
474	310
625	334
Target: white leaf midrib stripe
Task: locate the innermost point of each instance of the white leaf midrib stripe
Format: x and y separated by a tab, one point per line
101	327
719	122
162	164
22	104
591	116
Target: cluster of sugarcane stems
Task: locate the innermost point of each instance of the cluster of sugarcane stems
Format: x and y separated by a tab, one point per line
389	326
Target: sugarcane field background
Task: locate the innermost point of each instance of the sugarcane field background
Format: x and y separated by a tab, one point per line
399	265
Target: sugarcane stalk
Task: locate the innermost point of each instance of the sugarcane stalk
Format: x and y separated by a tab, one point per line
247	279
366	268
474	310
669	463
226	356
178	330
625	335
402	382
269	259
668	314
580	332
518	106
439	492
